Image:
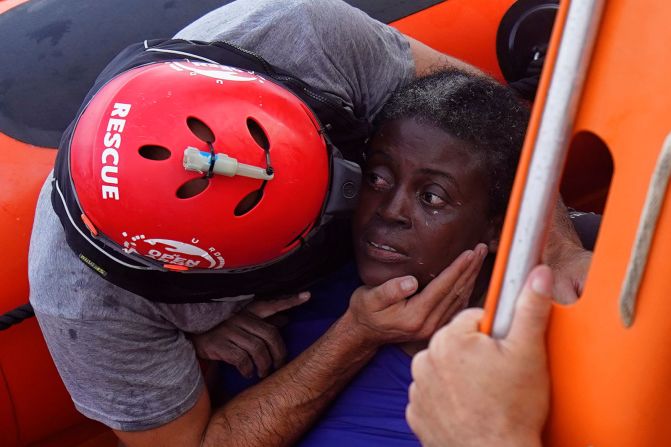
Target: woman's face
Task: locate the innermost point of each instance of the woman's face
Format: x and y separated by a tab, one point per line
423	202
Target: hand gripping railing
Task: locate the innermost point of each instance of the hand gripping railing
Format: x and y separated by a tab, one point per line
551	145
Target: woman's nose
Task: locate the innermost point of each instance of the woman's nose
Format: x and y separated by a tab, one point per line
394	208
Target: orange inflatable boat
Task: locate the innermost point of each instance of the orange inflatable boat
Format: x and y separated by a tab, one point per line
52	52
53	62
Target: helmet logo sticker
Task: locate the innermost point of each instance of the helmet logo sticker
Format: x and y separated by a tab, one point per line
219	72
174	252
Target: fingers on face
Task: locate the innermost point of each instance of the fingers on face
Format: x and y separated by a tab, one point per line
457	275
392	291
452	292
459	296
465	282
447	279
454	306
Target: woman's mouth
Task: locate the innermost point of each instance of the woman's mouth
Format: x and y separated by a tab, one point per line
382	252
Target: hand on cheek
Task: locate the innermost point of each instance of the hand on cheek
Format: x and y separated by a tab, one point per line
383	314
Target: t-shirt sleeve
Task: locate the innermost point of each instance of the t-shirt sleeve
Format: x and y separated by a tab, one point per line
125	360
329	44
125	374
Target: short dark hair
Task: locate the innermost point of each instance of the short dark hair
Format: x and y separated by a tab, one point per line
475	109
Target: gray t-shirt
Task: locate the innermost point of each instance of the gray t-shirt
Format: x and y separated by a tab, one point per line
126	361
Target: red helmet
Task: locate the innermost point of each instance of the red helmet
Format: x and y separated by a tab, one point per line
199	166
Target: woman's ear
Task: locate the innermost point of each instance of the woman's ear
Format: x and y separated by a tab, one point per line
493	234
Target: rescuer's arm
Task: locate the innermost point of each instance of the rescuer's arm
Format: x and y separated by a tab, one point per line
277	411
427	59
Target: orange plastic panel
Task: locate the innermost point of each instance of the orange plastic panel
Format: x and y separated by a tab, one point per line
465	29
611	384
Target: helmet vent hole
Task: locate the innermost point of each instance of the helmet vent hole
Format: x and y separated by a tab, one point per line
151	152
258	134
200	129
192	188
248	202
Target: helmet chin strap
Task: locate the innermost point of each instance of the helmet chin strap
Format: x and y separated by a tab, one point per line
211	163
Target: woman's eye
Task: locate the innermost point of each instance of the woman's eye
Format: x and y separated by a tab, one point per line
432	200
376	181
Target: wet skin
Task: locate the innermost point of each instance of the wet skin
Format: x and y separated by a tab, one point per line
423	202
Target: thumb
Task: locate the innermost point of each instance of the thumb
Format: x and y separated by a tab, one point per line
532	310
392	291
